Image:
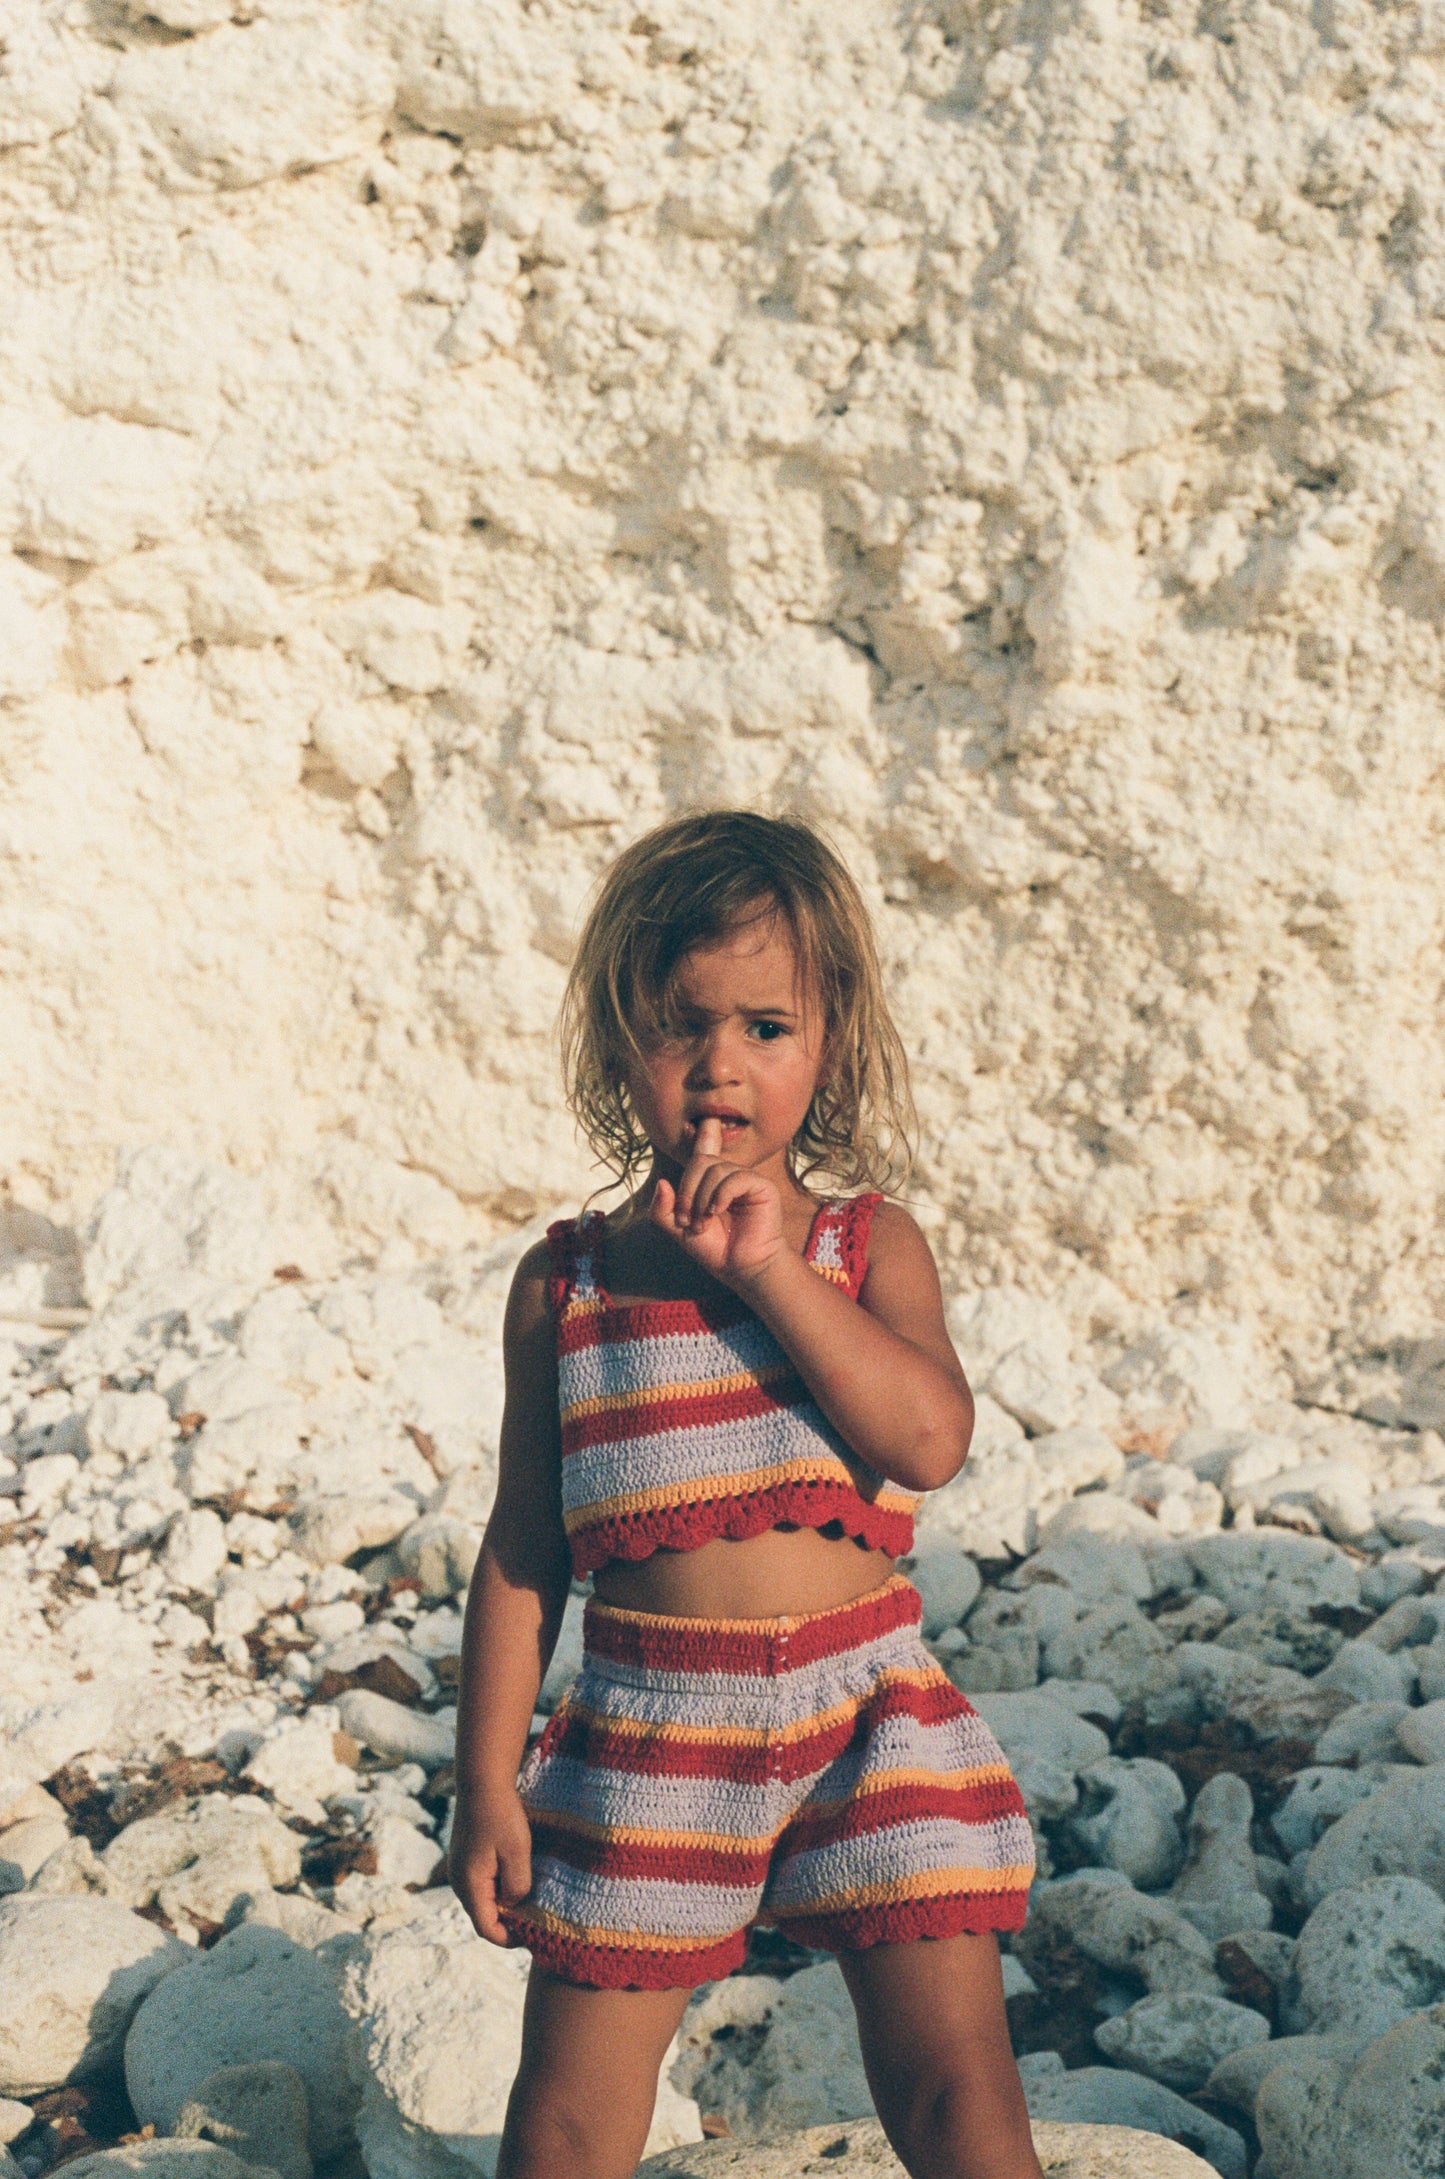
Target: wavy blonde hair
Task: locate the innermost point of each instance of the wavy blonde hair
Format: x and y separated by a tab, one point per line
687	884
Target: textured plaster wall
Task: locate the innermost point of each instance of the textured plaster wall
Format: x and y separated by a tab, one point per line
440	437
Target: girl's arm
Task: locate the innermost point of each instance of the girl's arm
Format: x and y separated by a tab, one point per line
514	1608
882	1368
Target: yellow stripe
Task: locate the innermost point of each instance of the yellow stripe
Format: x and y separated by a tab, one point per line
703	1490
923	1884
603	1403
630	1940
884	1781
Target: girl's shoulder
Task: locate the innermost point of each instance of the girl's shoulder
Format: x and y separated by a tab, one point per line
530	1294
896	1250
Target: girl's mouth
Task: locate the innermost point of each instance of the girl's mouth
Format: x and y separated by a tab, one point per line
731	1123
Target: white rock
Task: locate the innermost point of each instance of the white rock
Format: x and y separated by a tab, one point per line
1100	2096
436	2044
328	1622
1320	1794
1368	1733
1120	1928
1064	2152
95	1963
256	1995
1173	1372
1271	1569
768	2055
441	1551
1047	1395
947	1581
989	1507
1398	1831
1076	1459
1179	2039
1116	1643
331	1528
1127	1819
1096	1569
1086	1698
15	2119
1370	1674
196	1862
1239	2077
195	1550
26	1847
1411	1621
128	1425
166	2160
405	1855
1367	1956
74	1871
1332	2117
258	2112
1274	1702
1421	1733
1218	1887
389	1728
245	1458
298	1765
1029	1724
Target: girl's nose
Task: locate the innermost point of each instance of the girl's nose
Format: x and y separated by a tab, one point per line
716	1061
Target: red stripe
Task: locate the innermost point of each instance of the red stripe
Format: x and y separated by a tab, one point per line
904	1921
766	1647
624	1967
686	1527
581	1328
687	1411
867	1813
665	1859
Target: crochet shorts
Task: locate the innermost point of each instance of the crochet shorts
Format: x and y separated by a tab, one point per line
817	1774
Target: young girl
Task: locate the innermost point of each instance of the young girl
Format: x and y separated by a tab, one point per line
723	1400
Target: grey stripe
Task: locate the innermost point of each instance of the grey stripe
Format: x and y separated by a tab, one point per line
903	1850
754	1447
653	1907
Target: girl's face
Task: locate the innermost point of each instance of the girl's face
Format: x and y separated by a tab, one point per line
749	1053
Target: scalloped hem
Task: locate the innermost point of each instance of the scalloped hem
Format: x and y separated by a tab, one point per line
908	1921
735	1519
625	1967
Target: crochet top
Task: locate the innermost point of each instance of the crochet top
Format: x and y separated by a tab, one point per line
685	1420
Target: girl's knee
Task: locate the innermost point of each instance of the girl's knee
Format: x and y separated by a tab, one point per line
551	2135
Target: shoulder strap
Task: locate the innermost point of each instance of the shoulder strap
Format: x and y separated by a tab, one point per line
857	1224
562	1249
574	1245
838	1248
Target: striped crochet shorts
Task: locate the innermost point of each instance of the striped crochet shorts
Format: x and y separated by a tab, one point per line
819	1775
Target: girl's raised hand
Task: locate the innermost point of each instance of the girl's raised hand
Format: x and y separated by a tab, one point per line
728	1219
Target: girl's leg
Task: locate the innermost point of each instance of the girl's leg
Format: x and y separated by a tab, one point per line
582	2101
937	2054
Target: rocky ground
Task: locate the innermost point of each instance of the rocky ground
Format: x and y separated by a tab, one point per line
240	1507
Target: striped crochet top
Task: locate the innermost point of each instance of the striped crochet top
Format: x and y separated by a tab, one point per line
685	1420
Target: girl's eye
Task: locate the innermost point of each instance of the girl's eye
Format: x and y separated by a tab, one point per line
767	1032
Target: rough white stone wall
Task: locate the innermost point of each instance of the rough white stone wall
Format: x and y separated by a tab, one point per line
440	437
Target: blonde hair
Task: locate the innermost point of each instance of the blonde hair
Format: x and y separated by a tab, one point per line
688	884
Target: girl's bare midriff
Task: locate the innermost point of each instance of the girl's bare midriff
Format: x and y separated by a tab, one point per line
784	1573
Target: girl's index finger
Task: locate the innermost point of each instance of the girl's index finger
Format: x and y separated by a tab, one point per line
705	1146
708	1141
